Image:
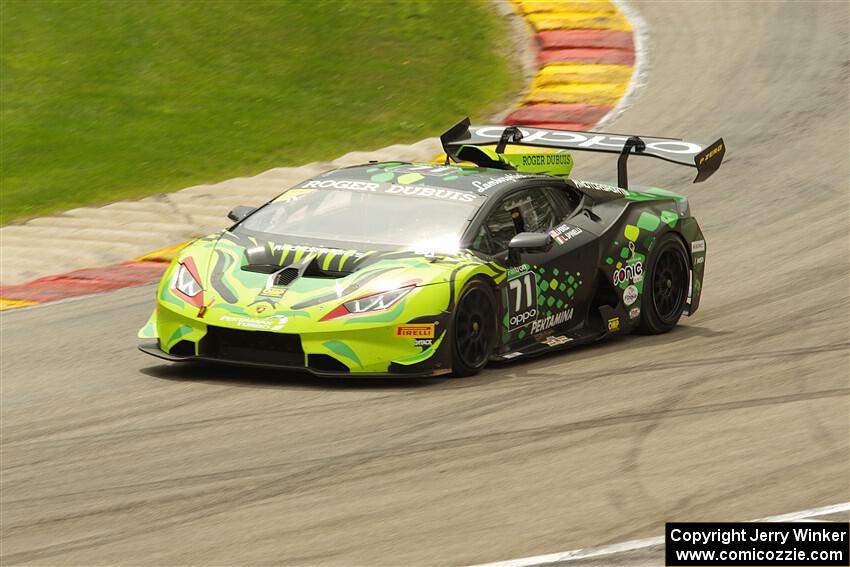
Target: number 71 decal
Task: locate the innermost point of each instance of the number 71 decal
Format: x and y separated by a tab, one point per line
522	300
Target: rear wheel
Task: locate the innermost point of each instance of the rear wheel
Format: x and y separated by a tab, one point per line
665	288
474	329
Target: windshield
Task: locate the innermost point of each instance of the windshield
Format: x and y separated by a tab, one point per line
420	218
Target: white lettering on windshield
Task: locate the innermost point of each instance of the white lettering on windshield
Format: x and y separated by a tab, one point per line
342	184
394	189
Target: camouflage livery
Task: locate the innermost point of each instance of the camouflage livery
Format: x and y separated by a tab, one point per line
369	343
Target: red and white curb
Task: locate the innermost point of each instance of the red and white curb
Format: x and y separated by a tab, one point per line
586	59
80	282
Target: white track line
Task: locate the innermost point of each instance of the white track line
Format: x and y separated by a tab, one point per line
640	75
603	550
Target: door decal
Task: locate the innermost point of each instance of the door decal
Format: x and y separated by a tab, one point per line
522	300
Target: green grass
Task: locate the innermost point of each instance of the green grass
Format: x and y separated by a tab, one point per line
107	100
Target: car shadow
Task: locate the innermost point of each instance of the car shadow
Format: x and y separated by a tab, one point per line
616	344
251	377
248	377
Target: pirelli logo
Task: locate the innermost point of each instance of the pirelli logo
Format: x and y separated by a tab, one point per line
419	331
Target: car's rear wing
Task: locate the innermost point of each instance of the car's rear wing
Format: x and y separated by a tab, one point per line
706	159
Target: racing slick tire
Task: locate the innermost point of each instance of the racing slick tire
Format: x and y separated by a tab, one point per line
474	328
666	286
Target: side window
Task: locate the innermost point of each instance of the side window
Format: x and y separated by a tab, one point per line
483	242
501	225
561	203
532	210
538	211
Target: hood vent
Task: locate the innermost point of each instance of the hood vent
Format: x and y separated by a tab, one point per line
310	266
286	276
261	268
314	269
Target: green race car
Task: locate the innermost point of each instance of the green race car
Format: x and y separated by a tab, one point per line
407	269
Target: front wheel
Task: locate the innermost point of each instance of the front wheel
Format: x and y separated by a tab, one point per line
665	288
474	328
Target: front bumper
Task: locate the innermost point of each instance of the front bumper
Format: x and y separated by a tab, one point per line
339	350
153	349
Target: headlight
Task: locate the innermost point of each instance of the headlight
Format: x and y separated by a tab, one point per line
185	282
369	303
377	301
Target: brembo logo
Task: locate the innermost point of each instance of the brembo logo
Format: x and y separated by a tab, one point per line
586	140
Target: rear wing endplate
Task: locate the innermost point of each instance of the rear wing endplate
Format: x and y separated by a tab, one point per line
706	159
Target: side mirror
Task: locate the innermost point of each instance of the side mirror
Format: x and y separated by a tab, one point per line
527	241
240	212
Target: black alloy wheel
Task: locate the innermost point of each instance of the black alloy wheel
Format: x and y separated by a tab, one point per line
666	287
668	284
474	330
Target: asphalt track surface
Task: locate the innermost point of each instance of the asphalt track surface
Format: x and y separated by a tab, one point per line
111	457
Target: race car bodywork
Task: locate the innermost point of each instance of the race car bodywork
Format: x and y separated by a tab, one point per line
537	261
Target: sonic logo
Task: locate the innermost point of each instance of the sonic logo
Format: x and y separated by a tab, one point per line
628	273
